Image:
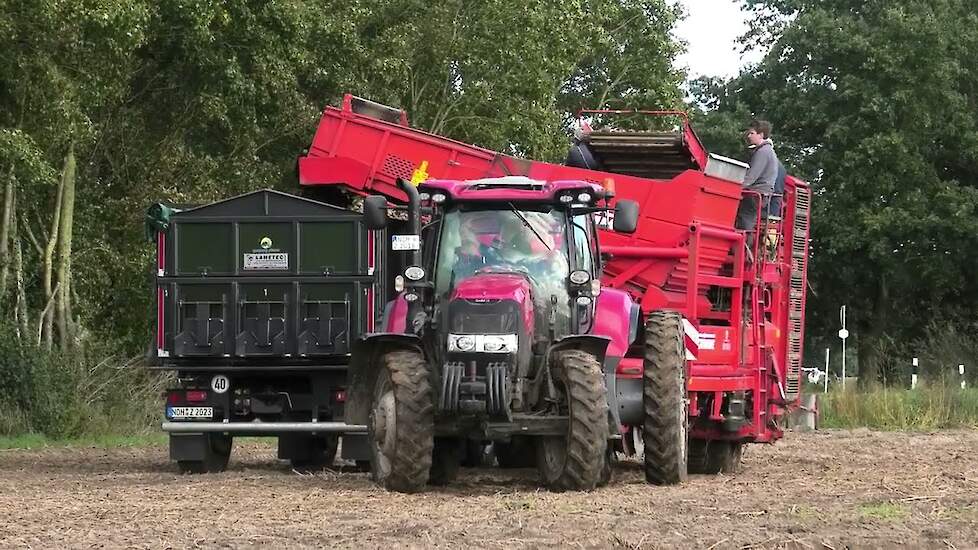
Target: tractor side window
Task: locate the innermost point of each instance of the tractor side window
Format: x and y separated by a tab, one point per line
582	244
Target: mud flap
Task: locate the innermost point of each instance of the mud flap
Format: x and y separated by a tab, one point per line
192	446
364	367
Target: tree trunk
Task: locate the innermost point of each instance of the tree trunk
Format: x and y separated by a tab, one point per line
5	223
47	318
871	331
21	315
64	250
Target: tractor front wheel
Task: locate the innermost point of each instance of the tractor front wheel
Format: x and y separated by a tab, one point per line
665	428
401	424
575	461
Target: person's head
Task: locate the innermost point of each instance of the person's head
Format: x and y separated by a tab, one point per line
757	132
468	235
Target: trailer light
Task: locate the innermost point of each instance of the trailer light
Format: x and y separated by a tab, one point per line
438	198
196	395
399	284
339	396
174	397
566	198
579	277
584	300
410	297
584	197
414	273
595	287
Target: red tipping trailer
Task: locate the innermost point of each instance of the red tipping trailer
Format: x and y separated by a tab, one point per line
743	307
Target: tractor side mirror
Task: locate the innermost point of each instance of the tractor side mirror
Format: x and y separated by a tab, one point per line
375	212
626	216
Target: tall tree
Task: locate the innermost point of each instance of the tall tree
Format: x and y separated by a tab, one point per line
874	102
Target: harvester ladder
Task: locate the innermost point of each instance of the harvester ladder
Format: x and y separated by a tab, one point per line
796	290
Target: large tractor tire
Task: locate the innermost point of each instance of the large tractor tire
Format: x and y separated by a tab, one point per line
445	460
309	453
401	423
713	457
217	451
665	428
517	453
574	462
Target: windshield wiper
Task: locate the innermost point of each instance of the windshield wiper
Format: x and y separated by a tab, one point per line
526	222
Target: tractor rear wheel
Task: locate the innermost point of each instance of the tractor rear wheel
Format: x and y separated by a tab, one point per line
575	461
401	423
713	457
217	451
664	399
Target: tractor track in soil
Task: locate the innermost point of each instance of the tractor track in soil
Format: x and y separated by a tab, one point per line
827	489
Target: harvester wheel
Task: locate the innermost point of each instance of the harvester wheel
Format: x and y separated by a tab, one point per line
664	399
217	451
575	461
320	453
401	423
712	457
517	453
445	460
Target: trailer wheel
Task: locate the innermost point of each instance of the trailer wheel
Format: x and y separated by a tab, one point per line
712	457
517	453
401	423
575	461
664	399
217	451
445	460
318	452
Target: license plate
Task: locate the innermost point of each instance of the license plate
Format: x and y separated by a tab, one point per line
184	413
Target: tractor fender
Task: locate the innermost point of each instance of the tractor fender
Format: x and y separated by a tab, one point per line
616	318
362	373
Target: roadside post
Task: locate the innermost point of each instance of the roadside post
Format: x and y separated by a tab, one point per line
913	373
825	389
961	374
843	334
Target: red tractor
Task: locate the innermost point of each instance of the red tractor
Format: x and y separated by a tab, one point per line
531	282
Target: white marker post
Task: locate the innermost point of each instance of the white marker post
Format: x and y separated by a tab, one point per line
913	373
843	334
961	373
825	389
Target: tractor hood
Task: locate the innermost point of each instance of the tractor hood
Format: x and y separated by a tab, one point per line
483	292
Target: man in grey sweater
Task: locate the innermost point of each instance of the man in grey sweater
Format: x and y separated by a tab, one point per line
760	176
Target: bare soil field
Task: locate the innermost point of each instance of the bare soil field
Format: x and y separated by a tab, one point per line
832	489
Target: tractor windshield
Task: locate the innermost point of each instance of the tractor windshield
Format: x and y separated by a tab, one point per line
531	242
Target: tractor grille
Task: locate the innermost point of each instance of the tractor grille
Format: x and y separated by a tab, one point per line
796	291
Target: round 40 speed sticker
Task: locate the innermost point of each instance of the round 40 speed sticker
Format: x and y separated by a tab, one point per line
220	383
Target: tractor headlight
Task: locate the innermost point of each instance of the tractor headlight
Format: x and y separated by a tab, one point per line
483	343
579	277
414	273
584	197
461	343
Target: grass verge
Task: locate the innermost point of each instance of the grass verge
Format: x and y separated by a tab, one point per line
930	408
40	441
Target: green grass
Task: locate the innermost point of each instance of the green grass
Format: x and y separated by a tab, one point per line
932	408
886	511
38	441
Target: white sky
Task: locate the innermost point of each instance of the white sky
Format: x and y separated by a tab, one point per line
710	31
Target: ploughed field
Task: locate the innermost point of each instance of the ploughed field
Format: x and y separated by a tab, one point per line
811	490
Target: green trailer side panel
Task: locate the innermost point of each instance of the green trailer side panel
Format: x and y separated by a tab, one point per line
266	239
328	247
204	248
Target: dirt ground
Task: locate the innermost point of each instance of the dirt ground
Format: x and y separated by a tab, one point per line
811	490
